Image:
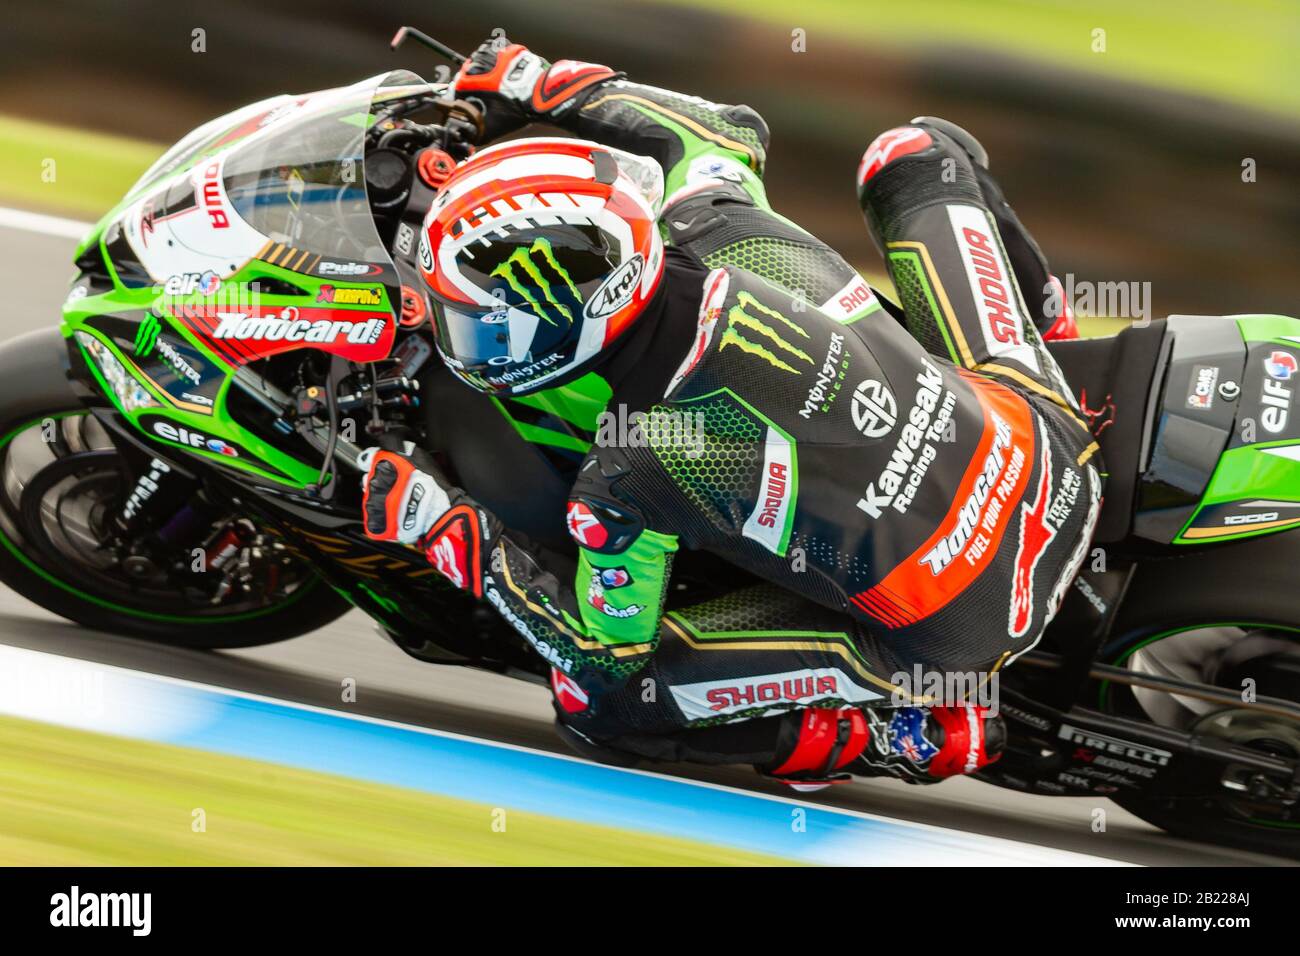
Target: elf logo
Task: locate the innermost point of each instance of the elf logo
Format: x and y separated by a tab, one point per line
769	523
1001	318
1280	365
1277	405
183	436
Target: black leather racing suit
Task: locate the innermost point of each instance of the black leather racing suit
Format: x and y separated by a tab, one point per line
912	489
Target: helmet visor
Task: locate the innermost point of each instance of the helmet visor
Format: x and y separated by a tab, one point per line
490	335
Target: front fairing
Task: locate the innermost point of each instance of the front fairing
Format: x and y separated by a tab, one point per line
251	237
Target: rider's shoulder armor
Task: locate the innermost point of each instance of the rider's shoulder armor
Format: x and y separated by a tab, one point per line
716	217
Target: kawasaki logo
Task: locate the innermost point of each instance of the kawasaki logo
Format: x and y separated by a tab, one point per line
549	652
535	275
874	410
146	336
766	339
916	448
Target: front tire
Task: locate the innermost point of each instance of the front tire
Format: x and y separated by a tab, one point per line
42	417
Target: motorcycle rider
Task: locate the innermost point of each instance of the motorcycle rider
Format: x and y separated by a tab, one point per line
903	499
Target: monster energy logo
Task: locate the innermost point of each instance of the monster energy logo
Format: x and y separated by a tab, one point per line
775	349
146	336
525	273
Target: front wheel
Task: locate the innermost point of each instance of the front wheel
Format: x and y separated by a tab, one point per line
61	484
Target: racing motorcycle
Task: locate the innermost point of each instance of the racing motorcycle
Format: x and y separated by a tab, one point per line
179	463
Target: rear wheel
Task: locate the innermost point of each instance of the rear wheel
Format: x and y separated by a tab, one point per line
1227	617
62	484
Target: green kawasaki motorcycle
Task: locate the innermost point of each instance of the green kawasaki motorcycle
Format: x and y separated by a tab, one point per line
179	463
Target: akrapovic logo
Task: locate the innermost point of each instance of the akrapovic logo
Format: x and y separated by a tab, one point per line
541	282
759	330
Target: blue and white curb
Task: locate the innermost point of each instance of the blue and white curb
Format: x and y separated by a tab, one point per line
114	700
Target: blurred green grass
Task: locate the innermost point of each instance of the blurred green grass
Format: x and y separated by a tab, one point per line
72	798
91	172
1243	51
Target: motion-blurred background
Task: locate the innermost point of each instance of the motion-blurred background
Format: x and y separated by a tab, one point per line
1119	128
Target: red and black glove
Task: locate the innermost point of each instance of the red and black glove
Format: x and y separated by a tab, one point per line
516	86
407	505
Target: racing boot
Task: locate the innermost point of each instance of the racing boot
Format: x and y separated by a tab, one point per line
928	744
824	746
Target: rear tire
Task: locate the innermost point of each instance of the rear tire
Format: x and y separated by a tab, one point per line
1252	585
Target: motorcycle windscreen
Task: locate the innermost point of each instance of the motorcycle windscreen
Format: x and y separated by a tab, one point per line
269	243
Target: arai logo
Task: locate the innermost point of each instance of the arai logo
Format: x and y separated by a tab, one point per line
425	253
617	290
